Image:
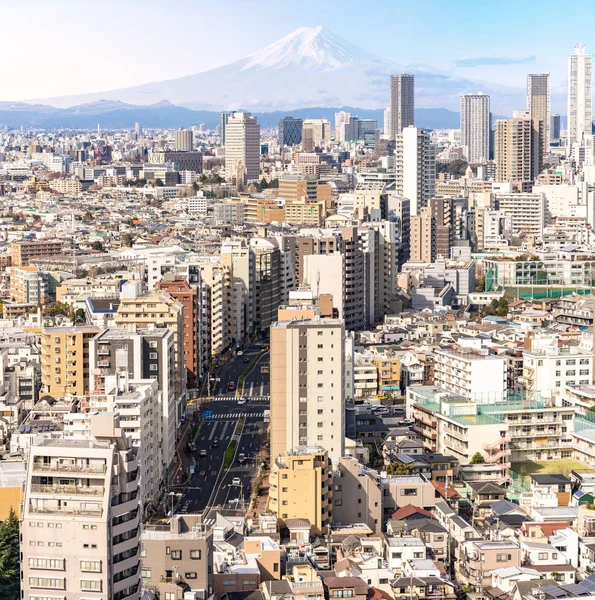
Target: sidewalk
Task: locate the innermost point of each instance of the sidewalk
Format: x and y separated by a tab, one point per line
183	460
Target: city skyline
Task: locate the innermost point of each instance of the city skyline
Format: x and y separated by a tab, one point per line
445	51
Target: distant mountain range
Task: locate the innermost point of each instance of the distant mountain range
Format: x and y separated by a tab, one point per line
311	66
119	115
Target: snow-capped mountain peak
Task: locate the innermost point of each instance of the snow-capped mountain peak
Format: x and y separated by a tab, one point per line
310	48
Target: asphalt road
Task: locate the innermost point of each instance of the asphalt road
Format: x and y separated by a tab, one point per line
211	486
256	384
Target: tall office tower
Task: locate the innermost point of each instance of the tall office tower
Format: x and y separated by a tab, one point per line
443	211
183	140
580	113
290	131
555	127
402	103
415	167
307	391
341	118
317	130
82	516
513	150
223	119
423	236
538	104
475	127
242	148
138	129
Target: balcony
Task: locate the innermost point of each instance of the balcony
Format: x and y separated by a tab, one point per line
67	490
87	512
66	468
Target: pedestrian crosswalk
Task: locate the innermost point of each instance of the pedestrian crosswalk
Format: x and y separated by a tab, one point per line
235	415
230	398
208	522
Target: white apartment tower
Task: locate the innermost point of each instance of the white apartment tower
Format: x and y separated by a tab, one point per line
402	103
341	119
475	127
82	516
242	148
580	113
307	375
415	167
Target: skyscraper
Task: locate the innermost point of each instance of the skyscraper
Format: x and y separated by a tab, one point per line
341	118
183	140
580	114
242	148
538	104
475	126
555	127
513	149
415	171
223	119
290	131
402	103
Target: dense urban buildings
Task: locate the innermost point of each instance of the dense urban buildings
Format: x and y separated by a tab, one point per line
294	358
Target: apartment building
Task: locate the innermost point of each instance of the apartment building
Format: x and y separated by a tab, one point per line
307	382
470	372
357	498
144	354
159	309
401	490
295	187
81	517
65	360
527	212
189	297
422	243
29	285
242	148
70	289
177	555
301	487
513	149
23	251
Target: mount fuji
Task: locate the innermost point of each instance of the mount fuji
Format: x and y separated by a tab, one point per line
311	66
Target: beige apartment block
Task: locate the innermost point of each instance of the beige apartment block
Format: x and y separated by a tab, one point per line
423	236
513	149
307	391
300	487
65	360
176	554
23	251
81	517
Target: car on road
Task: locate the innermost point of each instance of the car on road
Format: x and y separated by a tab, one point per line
202	453
231	385
242	401
214	443
240	353
246	360
241	457
236	481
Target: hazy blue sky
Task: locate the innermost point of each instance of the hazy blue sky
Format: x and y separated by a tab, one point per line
65	46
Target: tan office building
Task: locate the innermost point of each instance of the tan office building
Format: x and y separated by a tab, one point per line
65	360
295	187
300	487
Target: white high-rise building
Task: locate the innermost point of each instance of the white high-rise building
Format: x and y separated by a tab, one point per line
402	103
387	125
242	148
415	167
341	118
580	113
475	127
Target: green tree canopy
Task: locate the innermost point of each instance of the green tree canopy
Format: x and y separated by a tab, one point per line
477	459
10	574
398	468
